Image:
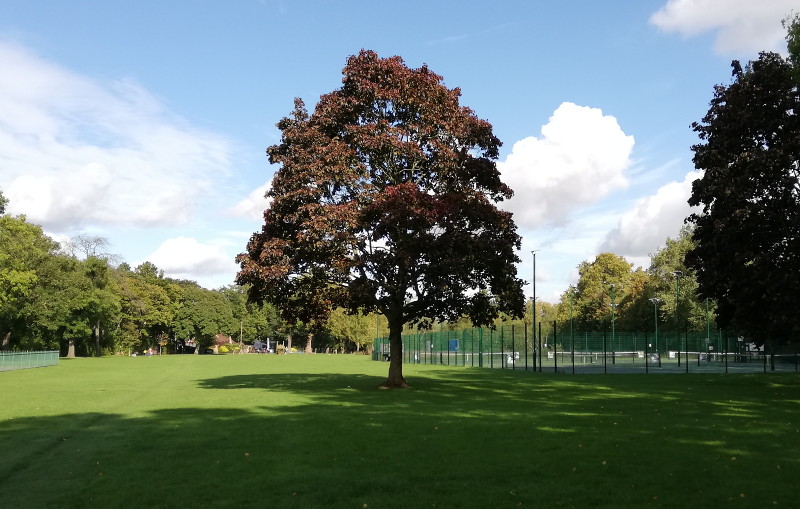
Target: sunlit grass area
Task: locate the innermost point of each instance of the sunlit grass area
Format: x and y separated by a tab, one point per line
315	431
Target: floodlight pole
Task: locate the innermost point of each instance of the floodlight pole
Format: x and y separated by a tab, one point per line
678	274
533	311
571	328
612	316
708	326
655	301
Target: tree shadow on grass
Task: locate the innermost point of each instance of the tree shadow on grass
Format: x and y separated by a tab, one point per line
459	438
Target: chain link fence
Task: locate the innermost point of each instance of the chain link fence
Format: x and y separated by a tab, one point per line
515	347
10	361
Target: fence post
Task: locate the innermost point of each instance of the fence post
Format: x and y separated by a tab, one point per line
513	348
525	338
555	348
726	353
502	348
698	352
686	347
480	347
472	347
491	348
572	333
540	347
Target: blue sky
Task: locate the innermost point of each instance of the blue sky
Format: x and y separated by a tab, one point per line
147	122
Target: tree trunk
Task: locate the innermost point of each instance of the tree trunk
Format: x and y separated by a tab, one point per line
288	343
97	350
71	349
308	344
395	379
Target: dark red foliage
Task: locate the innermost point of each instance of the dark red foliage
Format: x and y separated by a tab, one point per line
386	200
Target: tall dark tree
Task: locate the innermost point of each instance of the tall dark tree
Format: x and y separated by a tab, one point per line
386	200
747	255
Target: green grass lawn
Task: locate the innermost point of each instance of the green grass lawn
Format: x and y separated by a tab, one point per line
314	431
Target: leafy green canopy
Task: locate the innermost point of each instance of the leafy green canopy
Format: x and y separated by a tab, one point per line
385	200
748	233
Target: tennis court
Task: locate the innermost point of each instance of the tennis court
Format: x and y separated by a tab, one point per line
512	347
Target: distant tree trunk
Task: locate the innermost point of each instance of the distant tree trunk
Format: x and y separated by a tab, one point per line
97	350
6	340
395	379
71	349
289	342
308	344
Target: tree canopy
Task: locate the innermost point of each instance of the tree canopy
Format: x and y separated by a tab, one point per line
668	286
69	297
747	235
385	200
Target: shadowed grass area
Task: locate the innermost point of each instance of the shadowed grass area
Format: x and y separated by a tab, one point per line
314	431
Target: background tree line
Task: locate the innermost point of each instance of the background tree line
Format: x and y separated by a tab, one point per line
609	289
78	298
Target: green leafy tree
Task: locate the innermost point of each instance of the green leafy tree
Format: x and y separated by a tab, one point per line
25	256
101	303
54	309
635	311
674	284
147	309
202	314
257	321
592	297
358	329
149	271
747	255
3	203
386	201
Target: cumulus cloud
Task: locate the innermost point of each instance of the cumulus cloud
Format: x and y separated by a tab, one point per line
580	157
77	151
652	219
253	206
186	258
740	25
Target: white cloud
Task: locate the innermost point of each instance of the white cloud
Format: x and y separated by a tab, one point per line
740	25
78	151
186	258
652	219
254	205
581	156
